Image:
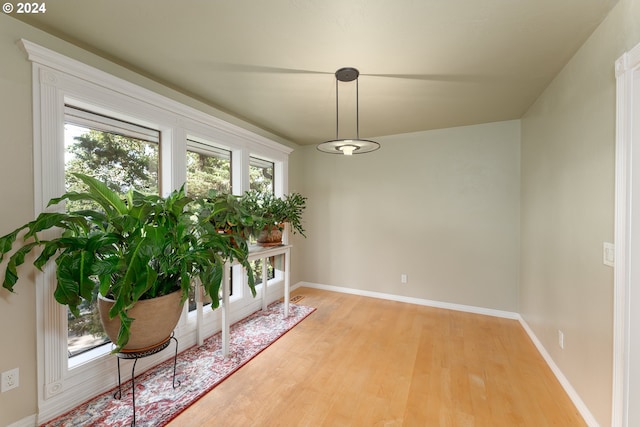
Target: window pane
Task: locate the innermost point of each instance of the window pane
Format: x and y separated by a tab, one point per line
208	168
121	162
257	270
261	178
261	175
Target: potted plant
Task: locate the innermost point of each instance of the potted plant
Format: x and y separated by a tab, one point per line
221	215
272	213
134	247
228	214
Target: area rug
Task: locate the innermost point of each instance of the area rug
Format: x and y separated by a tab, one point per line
199	370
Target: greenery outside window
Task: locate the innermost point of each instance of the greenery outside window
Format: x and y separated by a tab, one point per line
261	175
208	167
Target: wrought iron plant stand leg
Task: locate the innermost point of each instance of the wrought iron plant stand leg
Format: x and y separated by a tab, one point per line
135	355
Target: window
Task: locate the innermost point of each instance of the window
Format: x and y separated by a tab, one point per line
261	175
262	178
75	103
124	156
208	168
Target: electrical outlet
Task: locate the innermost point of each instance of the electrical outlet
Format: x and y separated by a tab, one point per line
403	278
561	339
10	379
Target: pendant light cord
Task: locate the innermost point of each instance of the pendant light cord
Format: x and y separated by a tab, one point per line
357	111
337	115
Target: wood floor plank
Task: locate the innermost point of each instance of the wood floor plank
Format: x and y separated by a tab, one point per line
359	361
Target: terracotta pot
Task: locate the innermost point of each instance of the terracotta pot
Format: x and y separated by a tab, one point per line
155	320
270	237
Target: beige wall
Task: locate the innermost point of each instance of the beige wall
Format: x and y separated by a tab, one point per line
568	140
17	312
441	206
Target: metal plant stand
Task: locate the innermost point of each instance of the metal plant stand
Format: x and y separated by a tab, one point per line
138	355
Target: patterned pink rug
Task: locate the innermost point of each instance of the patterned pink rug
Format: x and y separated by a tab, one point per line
199	369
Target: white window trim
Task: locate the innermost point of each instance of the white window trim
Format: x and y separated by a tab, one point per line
58	79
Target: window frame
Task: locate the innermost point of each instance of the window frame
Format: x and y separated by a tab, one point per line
58	80
91	121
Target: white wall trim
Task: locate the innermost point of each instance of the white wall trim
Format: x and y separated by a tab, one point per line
29	421
564	382
412	300
627	70
231	132
619	403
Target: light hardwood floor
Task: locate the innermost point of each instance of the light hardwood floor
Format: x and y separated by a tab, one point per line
359	361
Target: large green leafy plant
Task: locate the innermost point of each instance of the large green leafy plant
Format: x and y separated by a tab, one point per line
134	246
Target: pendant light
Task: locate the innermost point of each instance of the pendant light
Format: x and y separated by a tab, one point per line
348	147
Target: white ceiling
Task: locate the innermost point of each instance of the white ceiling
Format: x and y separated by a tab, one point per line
271	63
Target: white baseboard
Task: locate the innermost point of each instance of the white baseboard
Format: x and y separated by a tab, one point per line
29	421
412	300
568	388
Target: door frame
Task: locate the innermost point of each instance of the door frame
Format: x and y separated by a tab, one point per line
626	336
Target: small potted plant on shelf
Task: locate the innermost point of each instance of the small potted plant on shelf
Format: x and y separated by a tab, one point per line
272	213
135	248
223	214
227	213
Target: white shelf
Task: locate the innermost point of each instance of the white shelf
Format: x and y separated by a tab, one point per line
255	253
